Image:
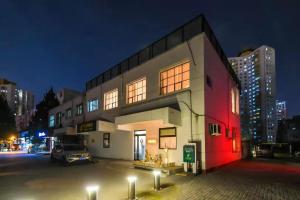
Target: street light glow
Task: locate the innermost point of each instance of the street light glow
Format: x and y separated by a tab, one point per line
156	173
131	179
92	188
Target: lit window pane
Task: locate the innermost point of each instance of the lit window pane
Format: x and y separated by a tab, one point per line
176	78
111	99
138	92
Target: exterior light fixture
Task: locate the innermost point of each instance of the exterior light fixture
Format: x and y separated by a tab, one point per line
92	192
131	187
156	174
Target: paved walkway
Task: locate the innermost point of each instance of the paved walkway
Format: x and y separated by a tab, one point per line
246	180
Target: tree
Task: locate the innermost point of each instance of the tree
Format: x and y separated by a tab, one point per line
7	119
40	119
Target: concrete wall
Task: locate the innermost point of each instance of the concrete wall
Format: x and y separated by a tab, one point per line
121	145
218	105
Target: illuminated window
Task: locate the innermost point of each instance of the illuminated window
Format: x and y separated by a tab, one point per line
136	91
111	99
176	78
51	121
167	138
92	105
79	109
235	100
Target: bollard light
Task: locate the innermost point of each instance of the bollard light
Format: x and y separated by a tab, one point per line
92	192
131	187
156	174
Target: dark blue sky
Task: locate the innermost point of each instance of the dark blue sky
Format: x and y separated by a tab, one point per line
63	43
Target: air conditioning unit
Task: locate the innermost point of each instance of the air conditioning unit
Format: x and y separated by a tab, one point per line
214	129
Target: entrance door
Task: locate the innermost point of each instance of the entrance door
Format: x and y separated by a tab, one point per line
139	145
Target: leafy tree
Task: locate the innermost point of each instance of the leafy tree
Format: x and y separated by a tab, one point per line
7	119
40	119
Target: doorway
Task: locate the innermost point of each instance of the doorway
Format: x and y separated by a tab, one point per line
139	145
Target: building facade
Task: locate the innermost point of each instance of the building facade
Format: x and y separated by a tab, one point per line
179	90
256	71
289	130
281	110
21	102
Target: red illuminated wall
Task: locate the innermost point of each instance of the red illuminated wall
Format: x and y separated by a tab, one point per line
219	149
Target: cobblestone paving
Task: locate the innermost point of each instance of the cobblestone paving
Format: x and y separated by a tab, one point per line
246	180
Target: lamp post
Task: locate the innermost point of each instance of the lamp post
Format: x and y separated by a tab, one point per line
92	192
156	180
131	187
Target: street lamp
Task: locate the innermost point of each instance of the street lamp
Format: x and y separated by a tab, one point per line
156	174
131	187
92	192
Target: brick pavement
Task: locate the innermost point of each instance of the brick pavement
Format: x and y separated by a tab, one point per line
246	180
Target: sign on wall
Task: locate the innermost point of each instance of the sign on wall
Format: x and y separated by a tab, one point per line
189	153
86	127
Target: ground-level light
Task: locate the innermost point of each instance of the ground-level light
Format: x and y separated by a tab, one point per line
92	192
156	174
131	187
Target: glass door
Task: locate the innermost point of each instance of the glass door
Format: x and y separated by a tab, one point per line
139	145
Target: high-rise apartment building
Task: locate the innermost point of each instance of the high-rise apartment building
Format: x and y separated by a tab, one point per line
281	110
19	101
256	71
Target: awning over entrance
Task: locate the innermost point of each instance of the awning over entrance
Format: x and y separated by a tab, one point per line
94	126
166	116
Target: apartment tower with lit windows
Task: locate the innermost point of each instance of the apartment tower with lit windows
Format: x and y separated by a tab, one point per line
256	71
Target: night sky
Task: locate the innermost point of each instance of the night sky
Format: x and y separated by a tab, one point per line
64	43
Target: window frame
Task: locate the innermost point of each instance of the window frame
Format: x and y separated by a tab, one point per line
69	111
52	115
90	101
77	109
135	89
112	103
164	82
106	137
159	137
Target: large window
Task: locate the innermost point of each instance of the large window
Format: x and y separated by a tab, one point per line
176	78
93	105
111	99
167	138
136	91
79	109
51	121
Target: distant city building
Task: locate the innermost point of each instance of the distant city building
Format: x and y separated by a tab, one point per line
256	71
20	101
281	110
289	130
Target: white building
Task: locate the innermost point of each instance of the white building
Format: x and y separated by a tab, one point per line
180	89
257	73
